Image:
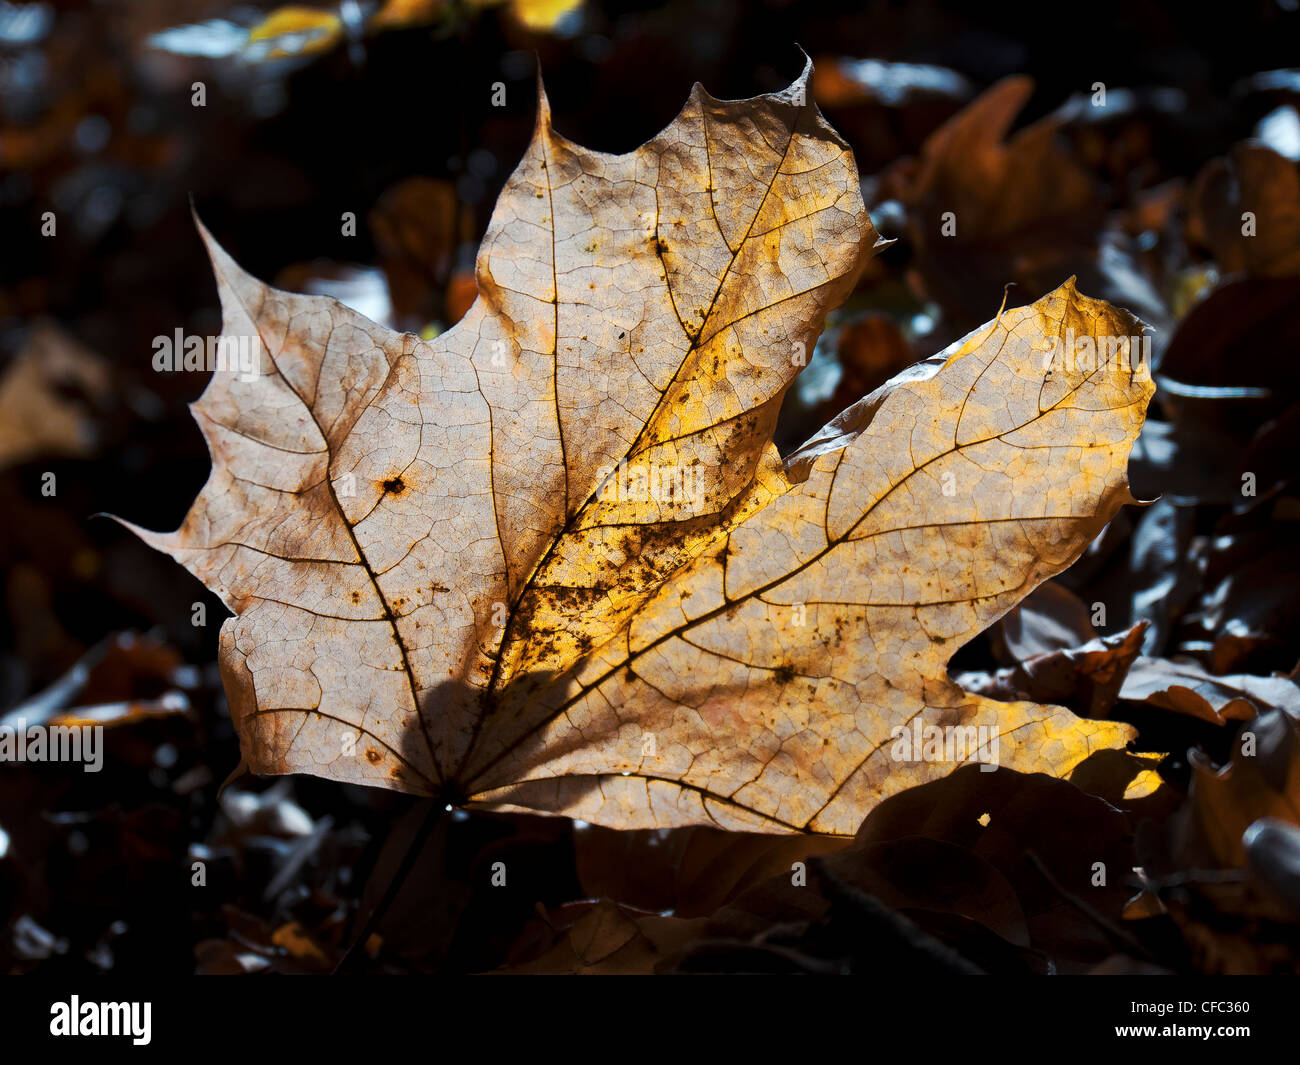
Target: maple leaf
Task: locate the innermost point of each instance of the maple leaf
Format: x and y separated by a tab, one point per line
449	577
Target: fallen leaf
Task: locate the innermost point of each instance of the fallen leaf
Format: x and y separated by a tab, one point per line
462	291
1081	831
985	208
449	579
402	14
1213	356
1251	180
1051	618
1164	567
871	350
886	110
969	861
416	230
1273	854
1223	865
1186	688
1248	612
690	871
122	680
1261	779
604	937
294	939
1086	678
47	398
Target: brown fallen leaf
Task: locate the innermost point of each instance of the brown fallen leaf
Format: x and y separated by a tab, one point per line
1248	612
999	819
886	110
255	946
416	229
462	291
537	16
1214	351
123	680
603	937
1051	618
1272	851
871	350
47	398
1086	678
1015	166
1261	779
690	871
1245	208
970	860
451	578
1213	868
985	208
1186	688
294	939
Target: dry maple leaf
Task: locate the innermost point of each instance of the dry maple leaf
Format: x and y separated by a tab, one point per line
441	588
